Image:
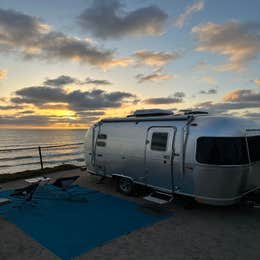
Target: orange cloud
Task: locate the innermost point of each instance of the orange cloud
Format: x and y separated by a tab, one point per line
3	74
154	77
153	58
257	82
227	67
242	95
239	41
121	62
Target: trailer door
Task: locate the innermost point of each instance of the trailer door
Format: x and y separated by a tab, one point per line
159	157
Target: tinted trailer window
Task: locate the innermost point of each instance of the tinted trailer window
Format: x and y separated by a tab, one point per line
222	150
254	148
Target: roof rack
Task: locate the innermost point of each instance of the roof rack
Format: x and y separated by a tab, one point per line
146	119
193	112
145	115
151	112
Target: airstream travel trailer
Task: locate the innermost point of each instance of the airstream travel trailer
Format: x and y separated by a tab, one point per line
215	159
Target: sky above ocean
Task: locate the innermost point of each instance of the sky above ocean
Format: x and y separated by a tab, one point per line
70	63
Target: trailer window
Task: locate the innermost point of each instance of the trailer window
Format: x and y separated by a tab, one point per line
222	150
101	143
254	148
159	141
102	136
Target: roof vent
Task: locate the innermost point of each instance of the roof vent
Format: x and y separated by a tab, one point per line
151	112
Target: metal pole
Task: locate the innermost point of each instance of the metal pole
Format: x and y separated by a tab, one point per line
40	154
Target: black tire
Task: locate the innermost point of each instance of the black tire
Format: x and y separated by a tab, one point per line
125	186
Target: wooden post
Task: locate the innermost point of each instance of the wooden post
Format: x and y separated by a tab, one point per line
40	154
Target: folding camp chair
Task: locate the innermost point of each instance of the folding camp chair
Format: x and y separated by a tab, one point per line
65	182
26	193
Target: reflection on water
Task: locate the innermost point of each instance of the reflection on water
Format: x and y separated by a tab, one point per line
19	160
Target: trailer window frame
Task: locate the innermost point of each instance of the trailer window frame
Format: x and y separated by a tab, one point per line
246	154
166	144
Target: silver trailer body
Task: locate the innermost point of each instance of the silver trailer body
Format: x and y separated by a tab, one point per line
212	158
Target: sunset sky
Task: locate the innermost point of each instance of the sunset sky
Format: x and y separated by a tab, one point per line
69	63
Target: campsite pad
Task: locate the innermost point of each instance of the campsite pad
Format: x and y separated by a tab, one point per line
70	225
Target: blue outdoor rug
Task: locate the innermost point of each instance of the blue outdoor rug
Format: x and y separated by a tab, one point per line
71	227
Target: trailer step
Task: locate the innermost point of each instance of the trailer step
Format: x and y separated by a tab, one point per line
159	198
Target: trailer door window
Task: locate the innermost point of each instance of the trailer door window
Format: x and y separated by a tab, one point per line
254	148
159	141
222	150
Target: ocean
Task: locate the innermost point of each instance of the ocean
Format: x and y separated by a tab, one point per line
13	157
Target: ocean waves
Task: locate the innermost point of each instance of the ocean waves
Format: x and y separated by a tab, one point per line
25	156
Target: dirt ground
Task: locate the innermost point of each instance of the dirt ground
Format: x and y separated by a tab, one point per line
203	232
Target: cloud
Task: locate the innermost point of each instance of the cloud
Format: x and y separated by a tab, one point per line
239	41
26	112
18	29
223	107
253	116
3	99
11	107
153	77
97	81
53	106
32	120
75	100
60	81
257	82
65	80
177	97
44	120
211	91
227	67
190	9
153	58
91	113
109	19
79	121
58	46
242	95
179	94
3	74
209	80
39	95
95	99
201	65
162	100
31	37
235	100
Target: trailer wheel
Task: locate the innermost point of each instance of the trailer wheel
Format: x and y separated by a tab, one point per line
125	186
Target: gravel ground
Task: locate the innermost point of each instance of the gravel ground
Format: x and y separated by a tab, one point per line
203	232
